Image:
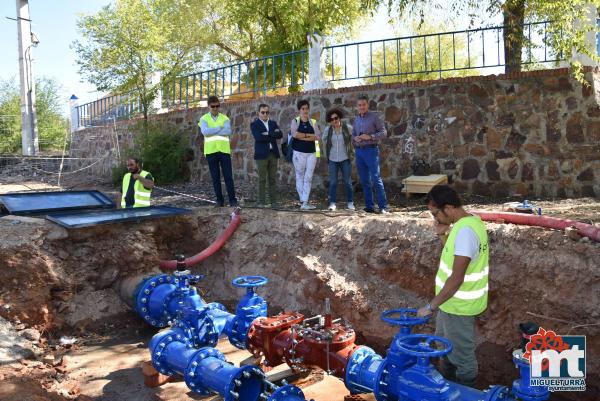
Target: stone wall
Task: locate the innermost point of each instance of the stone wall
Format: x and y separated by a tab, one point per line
532	133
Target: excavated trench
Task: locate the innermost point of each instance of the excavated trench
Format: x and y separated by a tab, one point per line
60	281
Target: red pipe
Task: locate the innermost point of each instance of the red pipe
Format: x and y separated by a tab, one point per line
212	248
585	230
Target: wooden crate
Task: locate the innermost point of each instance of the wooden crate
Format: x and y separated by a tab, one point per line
421	184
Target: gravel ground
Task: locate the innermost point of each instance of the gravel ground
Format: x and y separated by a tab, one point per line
201	194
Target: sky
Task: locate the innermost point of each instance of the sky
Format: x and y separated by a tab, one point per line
54	22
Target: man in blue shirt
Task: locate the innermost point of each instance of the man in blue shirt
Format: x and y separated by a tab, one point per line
367	132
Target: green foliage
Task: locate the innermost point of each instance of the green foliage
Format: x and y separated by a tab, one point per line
244	30
572	31
126	43
117	174
162	150
10	117
52	125
428	54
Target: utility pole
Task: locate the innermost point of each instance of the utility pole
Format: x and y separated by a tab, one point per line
29	131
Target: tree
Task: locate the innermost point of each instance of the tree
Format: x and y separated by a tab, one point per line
249	29
567	33
125	44
10	117
52	124
422	58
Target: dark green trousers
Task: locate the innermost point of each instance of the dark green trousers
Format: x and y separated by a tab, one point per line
460	330
267	173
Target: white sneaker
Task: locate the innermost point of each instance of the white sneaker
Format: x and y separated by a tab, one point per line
332	207
350	206
384	211
306	206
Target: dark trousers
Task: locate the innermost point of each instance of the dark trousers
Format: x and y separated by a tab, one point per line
218	162
334	169
267	173
461	331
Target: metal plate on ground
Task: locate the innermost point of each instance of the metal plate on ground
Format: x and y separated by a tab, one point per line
96	217
47	202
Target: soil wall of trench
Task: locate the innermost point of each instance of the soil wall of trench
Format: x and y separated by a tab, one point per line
56	279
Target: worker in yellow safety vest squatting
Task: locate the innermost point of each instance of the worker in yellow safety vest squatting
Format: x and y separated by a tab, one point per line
216	129
461	282
137	186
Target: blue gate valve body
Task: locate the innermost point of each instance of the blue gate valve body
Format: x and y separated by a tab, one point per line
250	307
206	371
159	299
203	325
522	387
365	368
406	373
406	319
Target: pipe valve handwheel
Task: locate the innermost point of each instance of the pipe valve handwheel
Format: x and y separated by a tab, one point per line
404	317
420	345
250	282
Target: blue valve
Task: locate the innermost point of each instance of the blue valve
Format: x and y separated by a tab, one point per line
406	319
420	345
250	281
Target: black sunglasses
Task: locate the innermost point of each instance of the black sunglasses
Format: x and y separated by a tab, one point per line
215	106
264	112
335	118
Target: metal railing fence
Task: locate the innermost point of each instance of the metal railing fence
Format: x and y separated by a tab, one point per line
427	56
435	55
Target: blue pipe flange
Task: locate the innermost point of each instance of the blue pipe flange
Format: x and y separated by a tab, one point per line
160	353
142	299
381	390
288	392
250	281
191	373
497	393
406	320
363	370
246	385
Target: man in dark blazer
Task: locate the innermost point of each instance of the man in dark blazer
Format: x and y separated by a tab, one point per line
266	132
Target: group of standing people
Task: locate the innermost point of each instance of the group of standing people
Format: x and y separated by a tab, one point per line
341	145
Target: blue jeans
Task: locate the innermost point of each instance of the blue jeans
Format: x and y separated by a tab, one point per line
218	162
367	164
334	168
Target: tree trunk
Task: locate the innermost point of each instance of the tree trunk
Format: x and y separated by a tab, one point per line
514	18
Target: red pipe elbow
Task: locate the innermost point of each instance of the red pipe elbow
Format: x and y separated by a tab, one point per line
167	265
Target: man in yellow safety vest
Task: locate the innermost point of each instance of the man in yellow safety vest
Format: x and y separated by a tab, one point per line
216	129
137	186
461	282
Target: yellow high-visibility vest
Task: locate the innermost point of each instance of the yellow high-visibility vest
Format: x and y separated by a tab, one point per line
215	143
141	195
472	296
